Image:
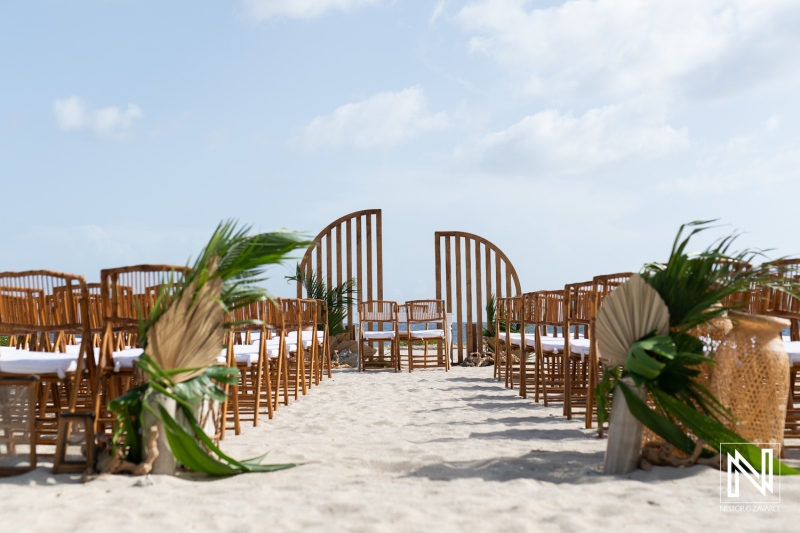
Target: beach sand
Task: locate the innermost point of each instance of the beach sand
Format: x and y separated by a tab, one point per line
425	451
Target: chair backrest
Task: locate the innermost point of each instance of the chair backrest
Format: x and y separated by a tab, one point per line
130	291
46	305
321	318
604	285
775	302
551	308
291	313
579	308
510	310
41	301
241	318
378	311
426	311
271	312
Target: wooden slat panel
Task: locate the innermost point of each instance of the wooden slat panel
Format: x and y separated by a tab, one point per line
328	239
339	256
379	252
478	291
359	256
458	299
349	239
437	254
336	249
369	257
471	295
468	275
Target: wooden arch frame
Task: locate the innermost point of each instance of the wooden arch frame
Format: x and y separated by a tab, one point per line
490	263
352	248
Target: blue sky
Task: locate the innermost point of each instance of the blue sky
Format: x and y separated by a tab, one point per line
577	136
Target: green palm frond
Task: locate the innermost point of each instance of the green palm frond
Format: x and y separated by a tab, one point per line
235	257
185	329
700	287
697	288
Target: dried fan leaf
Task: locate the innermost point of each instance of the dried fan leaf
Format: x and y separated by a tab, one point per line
189	334
626	315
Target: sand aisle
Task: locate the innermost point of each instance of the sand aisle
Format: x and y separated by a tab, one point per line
427	451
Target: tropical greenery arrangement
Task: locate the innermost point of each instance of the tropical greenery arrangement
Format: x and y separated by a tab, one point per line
697	289
182	337
338	299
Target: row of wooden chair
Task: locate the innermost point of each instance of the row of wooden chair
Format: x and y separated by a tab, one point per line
281	349
546	342
380	320
81	341
552	353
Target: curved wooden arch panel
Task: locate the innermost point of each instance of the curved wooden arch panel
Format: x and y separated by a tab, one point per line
469	269
349	247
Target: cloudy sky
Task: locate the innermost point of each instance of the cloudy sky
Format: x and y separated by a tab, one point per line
577	136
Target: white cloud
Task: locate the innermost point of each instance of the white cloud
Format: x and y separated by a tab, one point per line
383	119
555	143
72	114
760	160
613	47
264	9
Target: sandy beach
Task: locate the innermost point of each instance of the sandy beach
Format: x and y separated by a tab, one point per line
425	451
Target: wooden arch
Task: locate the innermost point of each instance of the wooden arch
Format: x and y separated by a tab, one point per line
469	269
349	247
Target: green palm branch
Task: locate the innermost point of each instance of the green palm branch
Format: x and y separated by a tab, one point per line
186	324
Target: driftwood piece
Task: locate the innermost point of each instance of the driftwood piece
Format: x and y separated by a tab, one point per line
108	463
665	454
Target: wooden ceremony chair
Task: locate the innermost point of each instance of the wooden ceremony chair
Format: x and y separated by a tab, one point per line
321	326
550	348
18	395
512	347
579	311
45	307
253	363
276	346
602	286
530	361
428	313
293	351
373	315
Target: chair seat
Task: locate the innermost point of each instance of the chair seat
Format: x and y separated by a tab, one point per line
246	354
516	339
26	363
553	344
308	337
427	334
379	335
125	359
580	347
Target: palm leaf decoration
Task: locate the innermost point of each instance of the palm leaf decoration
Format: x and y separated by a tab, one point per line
183	335
696	288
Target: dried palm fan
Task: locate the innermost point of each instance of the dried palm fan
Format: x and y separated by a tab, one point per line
626	315
189	334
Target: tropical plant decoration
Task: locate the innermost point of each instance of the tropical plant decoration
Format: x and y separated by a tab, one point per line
645	331
338	299
182	337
